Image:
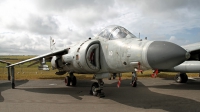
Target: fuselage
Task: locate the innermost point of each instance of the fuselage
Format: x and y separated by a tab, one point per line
116	50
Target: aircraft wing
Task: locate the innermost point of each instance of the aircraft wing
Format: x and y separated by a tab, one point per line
40	57
3	61
192	47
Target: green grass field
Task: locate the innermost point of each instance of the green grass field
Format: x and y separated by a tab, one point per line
24	72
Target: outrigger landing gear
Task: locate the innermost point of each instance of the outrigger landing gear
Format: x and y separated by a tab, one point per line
8	71
71	79
96	88
12	72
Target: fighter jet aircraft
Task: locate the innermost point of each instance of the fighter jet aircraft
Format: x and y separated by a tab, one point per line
192	65
113	50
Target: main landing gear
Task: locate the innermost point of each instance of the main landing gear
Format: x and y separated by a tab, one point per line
11	76
96	88
114	75
71	79
181	78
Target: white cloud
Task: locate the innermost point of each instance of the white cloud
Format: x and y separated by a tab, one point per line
20	43
180	41
25	26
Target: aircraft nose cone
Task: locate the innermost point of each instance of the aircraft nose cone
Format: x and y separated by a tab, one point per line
165	55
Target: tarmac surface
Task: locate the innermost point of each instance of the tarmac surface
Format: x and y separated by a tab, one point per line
151	95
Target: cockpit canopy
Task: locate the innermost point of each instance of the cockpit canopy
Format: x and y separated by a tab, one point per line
115	32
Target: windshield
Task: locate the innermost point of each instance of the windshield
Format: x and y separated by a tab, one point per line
115	32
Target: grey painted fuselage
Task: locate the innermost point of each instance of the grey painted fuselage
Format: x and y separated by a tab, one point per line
115	54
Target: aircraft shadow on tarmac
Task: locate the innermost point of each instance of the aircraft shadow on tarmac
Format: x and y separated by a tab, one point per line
139	97
190	85
7	85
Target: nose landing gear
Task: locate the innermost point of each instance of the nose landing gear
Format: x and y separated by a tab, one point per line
96	88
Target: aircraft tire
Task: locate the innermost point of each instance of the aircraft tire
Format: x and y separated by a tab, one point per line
94	86
67	81
184	77
13	85
177	78
181	78
74	81
134	84
114	75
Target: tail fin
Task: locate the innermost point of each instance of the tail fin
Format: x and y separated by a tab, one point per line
52	44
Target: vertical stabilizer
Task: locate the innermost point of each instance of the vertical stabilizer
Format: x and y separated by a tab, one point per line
52	44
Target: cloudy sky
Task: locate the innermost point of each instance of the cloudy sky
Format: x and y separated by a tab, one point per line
26	25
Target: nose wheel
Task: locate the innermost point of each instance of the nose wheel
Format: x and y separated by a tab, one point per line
96	89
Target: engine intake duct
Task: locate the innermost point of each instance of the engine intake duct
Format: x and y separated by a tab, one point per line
67	58
92	57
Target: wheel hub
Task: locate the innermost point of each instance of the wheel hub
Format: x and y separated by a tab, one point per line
178	79
94	90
